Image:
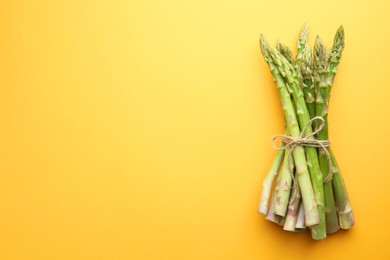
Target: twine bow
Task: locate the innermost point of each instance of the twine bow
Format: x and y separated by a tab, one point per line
308	141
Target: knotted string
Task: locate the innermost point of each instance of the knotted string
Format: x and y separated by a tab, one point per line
292	142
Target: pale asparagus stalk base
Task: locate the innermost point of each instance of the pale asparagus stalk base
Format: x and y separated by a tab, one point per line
301	217
267	183
284	191
293	209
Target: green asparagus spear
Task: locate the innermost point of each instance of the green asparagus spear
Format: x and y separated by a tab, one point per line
322	110
343	206
267	183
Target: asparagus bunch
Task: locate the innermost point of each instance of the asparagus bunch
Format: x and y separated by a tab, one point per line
310	192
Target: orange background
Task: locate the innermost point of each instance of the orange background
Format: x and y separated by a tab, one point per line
141	129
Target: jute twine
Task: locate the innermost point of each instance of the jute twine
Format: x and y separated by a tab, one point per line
307	141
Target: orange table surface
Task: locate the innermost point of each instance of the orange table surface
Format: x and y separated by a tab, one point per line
141	129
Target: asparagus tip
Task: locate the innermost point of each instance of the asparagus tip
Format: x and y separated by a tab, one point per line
340	31
264	47
339	38
319	48
318	39
285	51
304	33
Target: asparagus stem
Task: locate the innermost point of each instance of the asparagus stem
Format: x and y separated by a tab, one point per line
301	230
282	221
271	216
301	217
293	208
322	110
332	225
286	69
267	183
283	194
308	197
343	205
